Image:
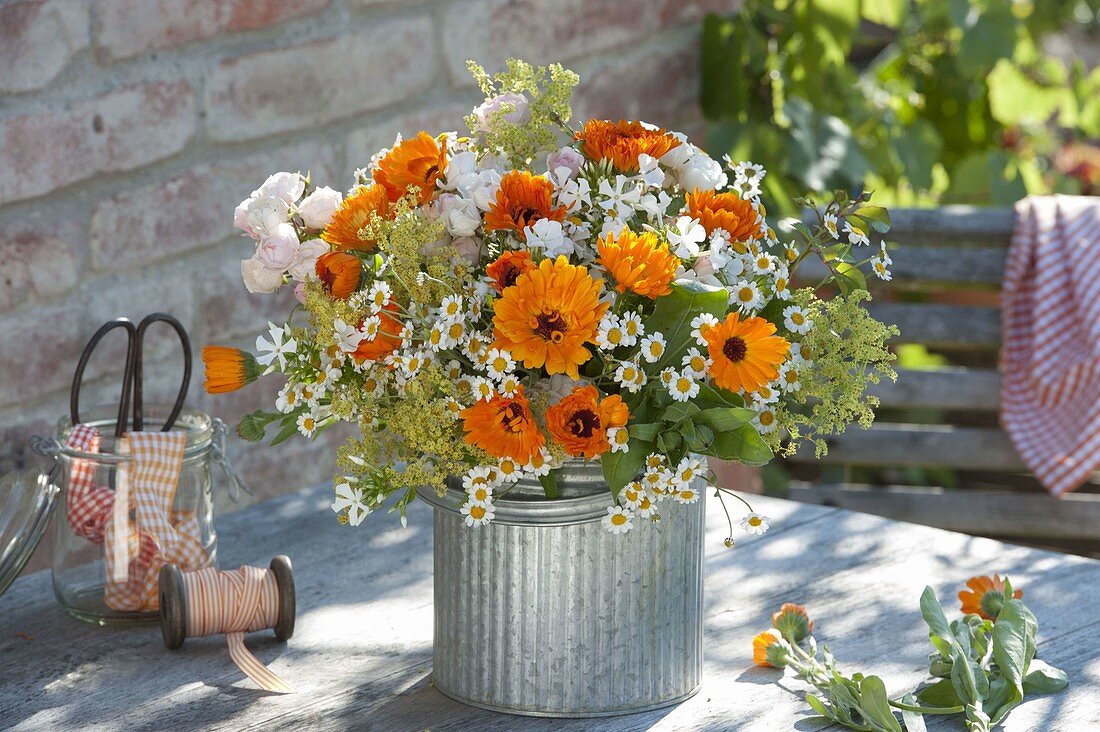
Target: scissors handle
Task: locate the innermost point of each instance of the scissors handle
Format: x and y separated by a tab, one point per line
127	375
138	379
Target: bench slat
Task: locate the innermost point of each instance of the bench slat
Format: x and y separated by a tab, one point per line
941	325
927	265
957	225
950	388
931	446
1036	515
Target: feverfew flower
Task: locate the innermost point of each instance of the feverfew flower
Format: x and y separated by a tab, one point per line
451	307
788	377
685	236
289	398
619	439
500	363
350	499
746	295
509	470
797	320
754	523
880	264
307	424
855	234
610	334
632	494
617	520
683	386
482	389
478	485
667	375
765	419
508	385
632	325
630	376
379	295
696	363
653	347
830	225
477	514
699	324
280	345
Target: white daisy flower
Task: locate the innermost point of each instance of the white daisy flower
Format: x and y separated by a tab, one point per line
617	520
499	363
754	523
880	265
539	464
688	470
310	393
654	460
855	234
782	287
453	370
478	486
454	408
798	357
764	420
647	508
451	307
696	362
619	439
373	384
788	377
307	424
289	398
764	264
653	347
437	337
610	334
351	500
379	295
699	324
482	388
683	386
509	470
508	385
797	320
686	495
746	295
632	326
830	225
657	480
766	394
411	364
627	376
667	375
632	494
477	514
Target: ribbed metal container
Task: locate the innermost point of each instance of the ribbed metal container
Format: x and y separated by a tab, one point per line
545	613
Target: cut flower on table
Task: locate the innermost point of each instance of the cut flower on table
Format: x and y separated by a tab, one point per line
493	303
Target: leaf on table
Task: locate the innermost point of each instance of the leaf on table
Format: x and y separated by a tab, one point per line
1042	678
913	721
875	705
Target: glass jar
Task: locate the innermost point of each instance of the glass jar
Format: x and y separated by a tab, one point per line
106	562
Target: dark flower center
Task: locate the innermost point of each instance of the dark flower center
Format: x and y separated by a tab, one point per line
583	423
735	349
550	326
509	276
512	417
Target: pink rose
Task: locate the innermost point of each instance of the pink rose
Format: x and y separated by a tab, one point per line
468	247
567	158
279	248
258	278
288	187
520	110
300	292
317	208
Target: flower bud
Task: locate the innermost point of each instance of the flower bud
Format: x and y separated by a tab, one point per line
793	622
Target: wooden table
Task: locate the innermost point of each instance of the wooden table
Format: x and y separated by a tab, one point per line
361	656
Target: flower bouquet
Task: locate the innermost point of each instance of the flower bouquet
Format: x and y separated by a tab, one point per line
500	309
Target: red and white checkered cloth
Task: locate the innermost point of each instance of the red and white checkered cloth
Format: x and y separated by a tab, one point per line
1050	362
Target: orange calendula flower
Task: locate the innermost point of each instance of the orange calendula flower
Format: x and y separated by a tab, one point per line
504	427
548	315
986	596
417	161
580	421
355	212
228	369
508	267
638	262
745	354
792	622
385	342
522	200
339	273
769	649
622	142
725	211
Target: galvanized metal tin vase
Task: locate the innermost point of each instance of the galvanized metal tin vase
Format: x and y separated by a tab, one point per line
543	612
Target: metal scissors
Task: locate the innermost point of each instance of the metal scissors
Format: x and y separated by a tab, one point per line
132	377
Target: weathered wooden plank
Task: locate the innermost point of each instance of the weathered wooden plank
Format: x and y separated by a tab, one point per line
970	511
941	325
912	445
957	225
948	388
933	265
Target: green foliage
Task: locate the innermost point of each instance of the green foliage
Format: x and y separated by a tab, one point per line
925	101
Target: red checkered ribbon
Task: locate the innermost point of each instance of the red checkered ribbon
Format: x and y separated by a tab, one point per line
1050	393
154	534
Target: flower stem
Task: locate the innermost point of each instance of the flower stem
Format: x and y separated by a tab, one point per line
926	710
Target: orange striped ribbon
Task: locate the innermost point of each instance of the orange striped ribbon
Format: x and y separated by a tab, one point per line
235	602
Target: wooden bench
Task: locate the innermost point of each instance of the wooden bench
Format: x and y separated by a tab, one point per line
937	455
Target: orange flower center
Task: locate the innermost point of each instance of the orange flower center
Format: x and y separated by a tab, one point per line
550	326
584	422
735	349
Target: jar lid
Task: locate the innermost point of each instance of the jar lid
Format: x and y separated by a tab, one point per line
27	499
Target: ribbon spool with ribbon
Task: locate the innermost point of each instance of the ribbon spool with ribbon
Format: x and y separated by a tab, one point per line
210	601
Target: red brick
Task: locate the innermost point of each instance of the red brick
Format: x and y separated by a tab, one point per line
39	256
228	311
125	28
366	141
658	87
39	353
490	31
38	39
194	209
304	86
119	130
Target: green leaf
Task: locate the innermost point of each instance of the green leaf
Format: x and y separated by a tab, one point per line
669	442
940	694
704	439
672	316
687	432
824	153
721	419
550	484
889	13
710	396
1042	678
913	721
290	428
939	630
875	705
1013	648
619	468
680	411
876	217
647	432
849	277
819	706
253	425
743	444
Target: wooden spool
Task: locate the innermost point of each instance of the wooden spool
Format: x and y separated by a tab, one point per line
173	601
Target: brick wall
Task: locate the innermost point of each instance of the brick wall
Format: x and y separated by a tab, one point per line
129	130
